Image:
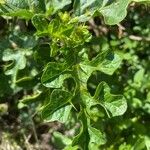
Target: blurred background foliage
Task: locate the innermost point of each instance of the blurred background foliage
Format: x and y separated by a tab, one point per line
21	60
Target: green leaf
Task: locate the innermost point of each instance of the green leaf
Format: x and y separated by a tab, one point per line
106	62
40	96
97	138
83	136
85	9
71	148
31	98
58	82
52	71
147	142
18	58
114	105
55	5
23	41
54	27
17	3
58	99
115	12
27	82
15	57
38	6
140	144
61	140
88	134
86	6
22	8
103	102
138	77
16	8
40	23
21	13
62	115
93	108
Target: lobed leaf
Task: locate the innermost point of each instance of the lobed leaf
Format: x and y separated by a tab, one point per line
106	62
58	99
115	104
52	71
40	23
18	61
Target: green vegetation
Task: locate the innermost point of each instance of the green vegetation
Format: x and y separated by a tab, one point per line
75	74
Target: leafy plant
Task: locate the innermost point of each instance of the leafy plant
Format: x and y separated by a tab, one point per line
58	62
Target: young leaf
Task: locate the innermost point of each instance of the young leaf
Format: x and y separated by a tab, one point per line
40	23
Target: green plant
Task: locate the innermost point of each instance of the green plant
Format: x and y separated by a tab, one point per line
58	62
